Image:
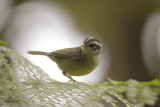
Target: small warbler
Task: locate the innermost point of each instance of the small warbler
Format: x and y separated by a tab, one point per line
76	61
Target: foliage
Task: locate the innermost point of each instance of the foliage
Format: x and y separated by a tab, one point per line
22	83
3	43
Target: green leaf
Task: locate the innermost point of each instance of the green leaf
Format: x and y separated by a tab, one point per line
3	43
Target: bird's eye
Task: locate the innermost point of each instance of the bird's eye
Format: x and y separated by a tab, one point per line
92	45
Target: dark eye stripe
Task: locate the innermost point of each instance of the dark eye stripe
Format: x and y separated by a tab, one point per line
92	45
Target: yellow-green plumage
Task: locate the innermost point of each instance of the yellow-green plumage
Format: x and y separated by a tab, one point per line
76	61
72	60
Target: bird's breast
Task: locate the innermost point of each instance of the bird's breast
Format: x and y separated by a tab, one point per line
78	67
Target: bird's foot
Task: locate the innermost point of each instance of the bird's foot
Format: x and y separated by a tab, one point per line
71	79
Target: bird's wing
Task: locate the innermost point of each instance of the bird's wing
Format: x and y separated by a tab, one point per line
68	53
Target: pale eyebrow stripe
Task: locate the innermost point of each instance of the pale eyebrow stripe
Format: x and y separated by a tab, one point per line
93	39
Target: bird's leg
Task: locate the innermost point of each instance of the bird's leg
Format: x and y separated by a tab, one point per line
71	79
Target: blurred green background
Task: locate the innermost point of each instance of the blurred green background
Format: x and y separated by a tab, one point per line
119	24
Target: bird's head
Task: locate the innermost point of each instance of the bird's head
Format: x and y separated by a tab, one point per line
92	45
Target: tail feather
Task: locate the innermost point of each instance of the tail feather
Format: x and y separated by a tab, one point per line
37	53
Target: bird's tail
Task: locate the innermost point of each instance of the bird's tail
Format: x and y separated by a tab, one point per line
37	53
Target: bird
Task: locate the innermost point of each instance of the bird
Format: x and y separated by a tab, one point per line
77	61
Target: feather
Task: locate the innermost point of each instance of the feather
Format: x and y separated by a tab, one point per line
68	53
37	53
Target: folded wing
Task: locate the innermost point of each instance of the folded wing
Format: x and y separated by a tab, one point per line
68	53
